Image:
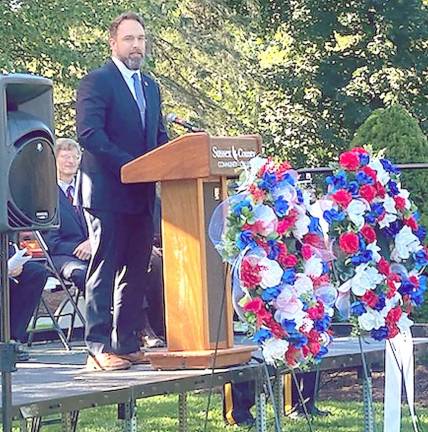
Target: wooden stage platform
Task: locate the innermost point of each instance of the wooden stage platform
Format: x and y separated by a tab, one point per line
55	381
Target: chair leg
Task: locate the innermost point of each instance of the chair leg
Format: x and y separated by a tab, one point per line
73	316
33	325
58	329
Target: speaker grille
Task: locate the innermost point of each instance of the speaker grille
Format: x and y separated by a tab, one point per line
32	184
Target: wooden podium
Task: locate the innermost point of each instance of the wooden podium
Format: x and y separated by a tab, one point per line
193	170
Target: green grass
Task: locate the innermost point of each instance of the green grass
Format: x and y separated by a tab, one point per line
159	414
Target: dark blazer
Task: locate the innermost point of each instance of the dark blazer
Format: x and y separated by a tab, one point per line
71	232
108	131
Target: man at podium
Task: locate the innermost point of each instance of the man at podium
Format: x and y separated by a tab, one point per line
118	119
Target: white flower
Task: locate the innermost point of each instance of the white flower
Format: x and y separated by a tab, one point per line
382	175
307	324
405	244
271	273
404	323
387	220
356	210
372	319
313	266
389	205
267	222
375	251
248	176
287	192
301	227
303	284
404	193
274	349
366	277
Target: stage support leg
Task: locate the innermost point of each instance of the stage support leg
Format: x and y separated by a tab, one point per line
366	380
23	427
36	423
260	406
127	412
278	394
182	412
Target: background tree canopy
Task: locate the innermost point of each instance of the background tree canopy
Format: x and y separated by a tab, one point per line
303	73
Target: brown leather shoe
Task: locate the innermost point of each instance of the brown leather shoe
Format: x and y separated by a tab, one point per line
106	362
137	357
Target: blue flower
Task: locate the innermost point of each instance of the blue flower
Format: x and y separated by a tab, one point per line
289	179
393	229
271	293
237	209
389	167
362	258
281	206
364	158
393	188
244	239
353	188
273	249
297	339
261	335
289	276
323	324
379	334
268	182
337	181
300	196
325	267
380	303
314	226
333	215
357	308
406	287
321	353
421	259
378	209
362	178
370	218
289	325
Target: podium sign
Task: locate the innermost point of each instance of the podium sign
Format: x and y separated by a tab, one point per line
192	170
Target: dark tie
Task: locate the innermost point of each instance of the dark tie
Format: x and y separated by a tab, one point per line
70	193
141	102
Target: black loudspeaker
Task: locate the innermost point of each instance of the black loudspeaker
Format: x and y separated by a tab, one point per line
28	182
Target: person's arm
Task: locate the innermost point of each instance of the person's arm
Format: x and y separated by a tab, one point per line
162	135
57	245
91	111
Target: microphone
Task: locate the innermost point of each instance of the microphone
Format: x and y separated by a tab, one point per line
173	118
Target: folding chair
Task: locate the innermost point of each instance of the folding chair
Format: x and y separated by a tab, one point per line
72	299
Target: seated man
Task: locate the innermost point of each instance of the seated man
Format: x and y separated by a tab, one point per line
69	245
26	286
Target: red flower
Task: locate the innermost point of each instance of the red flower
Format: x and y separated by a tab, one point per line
314	240
411	222
275	328
368	192
291	355
316	312
314	347
349	243
349	160
288	260
381	192
368	233
250	273
369	172
393	315
282	169
258	194
383	267
392	330
286	223
370	298
342	197
306	251
400	202
257	307
320	280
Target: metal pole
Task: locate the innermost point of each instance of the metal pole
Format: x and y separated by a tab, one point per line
6	376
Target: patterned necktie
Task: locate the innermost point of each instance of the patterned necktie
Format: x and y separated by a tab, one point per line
141	102
70	193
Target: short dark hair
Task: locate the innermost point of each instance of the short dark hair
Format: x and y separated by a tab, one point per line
122	17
